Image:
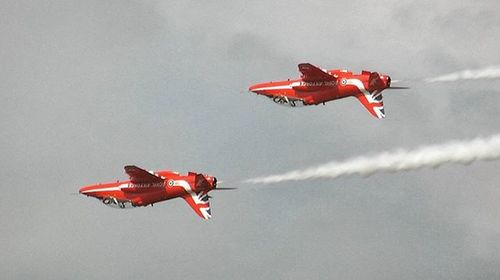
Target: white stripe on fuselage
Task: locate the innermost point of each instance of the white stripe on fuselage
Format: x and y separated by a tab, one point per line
271	88
107	189
185	185
361	87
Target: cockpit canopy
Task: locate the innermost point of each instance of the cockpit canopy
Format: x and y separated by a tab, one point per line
115	203
287	101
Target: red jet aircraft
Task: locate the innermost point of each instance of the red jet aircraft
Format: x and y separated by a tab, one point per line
317	86
147	187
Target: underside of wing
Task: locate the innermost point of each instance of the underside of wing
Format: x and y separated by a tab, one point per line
200	203
311	73
140	176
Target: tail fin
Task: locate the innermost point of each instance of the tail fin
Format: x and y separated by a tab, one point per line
373	103
200	203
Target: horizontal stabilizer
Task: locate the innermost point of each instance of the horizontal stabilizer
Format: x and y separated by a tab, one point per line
201	183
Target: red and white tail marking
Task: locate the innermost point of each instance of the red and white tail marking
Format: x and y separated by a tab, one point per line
372	101
199	201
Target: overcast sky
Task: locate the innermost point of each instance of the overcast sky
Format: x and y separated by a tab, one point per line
90	86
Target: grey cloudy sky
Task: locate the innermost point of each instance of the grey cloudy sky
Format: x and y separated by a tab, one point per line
90	86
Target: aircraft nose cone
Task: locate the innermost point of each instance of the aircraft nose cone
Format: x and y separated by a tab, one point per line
252	88
256	89
85	190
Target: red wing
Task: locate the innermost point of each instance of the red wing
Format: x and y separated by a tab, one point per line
141	176
311	73
200	203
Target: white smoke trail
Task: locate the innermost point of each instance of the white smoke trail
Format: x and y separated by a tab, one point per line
463	152
492	72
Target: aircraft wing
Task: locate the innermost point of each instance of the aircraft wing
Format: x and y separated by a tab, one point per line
200	203
311	73
140	176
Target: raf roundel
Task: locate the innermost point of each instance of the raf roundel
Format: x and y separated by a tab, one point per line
170	183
